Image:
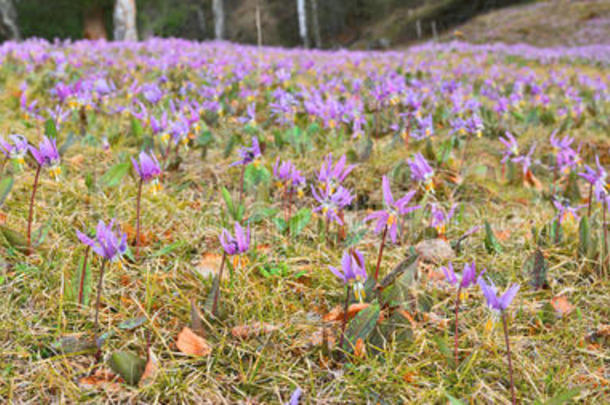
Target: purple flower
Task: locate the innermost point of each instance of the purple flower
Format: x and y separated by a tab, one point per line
331	175
46	154
565	212
421	171
493	301
511	147
597	178
352	271
238	244
17	150
332	202
440	218
468	277
107	244
288	176
295	397
248	155
525	160
393	210
148	168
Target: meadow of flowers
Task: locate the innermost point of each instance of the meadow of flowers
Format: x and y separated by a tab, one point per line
215	223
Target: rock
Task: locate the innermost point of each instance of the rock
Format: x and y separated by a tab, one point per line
435	250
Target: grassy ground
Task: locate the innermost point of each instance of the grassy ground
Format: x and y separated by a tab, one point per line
551	355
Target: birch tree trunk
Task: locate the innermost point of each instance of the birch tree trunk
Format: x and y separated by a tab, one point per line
316	24
125	20
219	18
302	22
8	20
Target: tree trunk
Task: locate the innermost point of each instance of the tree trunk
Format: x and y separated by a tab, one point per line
316	24
125	20
302	22
8	20
94	24
219	18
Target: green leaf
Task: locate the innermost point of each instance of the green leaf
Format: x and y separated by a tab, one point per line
584	241
362	325
536	267
453	400
209	302
228	199
72	344
115	174
256	175
280	224
168	249
69	142
127	365
299	221
491	242
132	323
49	129
14	239
563	397
6	184
444	350
136	128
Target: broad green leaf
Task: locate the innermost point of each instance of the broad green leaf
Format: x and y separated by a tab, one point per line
536	268
132	323
228	200
127	365
14	239
584	242
280	224
72	344
362	325
115	174
563	397
69	142
453	400
136	128
50	130
299	221
6	184
491	242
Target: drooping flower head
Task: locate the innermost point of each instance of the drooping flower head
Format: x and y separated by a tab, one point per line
495	302
17	150
352	271
393	210
565	156
440	218
466	279
108	243
597	178
525	160
148	167
237	244
288	176
250	154
330	203
565	211
511	147
421	171
47	155
332	176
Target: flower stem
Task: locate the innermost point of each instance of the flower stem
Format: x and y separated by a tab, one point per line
217	292
510	363
138	219
605	225
345	308
455	335
31	215
385	233
590	200
97	309
83	273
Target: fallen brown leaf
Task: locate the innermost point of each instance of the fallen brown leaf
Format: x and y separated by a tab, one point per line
336	314
255	329
103	379
209	265
152	367
561	305
190	343
360	349
532	181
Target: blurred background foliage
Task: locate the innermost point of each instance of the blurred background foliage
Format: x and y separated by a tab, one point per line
342	23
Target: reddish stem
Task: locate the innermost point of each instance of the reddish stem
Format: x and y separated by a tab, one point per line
98	355
217	292
138	218
31	215
590	200
385	232
455	335
83	273
510	363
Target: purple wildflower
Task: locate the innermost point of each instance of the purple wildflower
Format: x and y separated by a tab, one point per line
352	271
597	178
421	171
525	160
333	176
511	147
237	244
468	277
493	301
565	212
47	155
332	202
108	244
440	218
148	168
393	210
250	154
